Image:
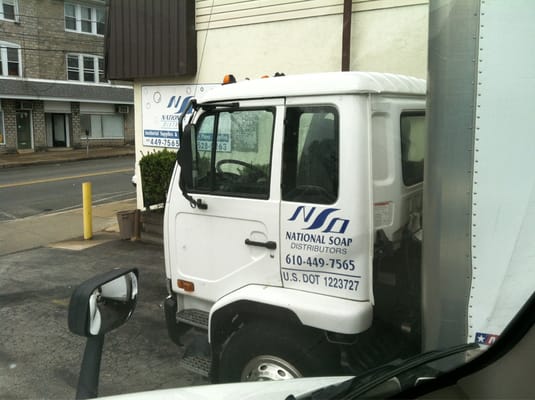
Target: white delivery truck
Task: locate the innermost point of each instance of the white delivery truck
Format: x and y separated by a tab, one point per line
292	188
292	223
293	220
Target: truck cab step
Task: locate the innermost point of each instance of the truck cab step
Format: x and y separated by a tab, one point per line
196	318
198	364
197	355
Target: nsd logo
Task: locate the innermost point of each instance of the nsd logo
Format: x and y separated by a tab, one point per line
179	103
322	220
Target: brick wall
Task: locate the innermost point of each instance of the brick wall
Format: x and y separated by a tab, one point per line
40	32
45	43
75	125
39	126
10	125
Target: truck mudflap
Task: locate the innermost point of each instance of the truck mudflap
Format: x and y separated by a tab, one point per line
175	330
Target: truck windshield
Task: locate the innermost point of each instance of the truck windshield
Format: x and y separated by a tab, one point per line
232	153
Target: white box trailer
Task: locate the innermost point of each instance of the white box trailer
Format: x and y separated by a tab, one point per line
479	195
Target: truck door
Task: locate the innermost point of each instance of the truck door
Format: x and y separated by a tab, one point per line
234	241
325	198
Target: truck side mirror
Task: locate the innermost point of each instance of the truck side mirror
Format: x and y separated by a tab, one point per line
185	157
98	306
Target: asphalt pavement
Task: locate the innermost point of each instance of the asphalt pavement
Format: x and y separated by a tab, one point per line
42	260
39	357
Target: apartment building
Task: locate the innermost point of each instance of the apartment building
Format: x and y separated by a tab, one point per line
53	89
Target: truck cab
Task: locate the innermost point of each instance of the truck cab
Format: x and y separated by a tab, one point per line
291	221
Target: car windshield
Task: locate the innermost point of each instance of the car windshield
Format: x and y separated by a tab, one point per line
324	195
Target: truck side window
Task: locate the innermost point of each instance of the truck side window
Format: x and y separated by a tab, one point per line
233	153
310	155
412	147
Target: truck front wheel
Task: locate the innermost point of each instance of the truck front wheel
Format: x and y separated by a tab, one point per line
262	351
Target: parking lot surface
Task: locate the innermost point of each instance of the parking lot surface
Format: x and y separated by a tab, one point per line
40	358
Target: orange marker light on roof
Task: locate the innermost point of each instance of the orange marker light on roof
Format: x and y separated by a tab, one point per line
229	79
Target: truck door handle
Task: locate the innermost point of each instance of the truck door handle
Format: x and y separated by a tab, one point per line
268	245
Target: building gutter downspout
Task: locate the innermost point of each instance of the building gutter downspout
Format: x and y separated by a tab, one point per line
346	35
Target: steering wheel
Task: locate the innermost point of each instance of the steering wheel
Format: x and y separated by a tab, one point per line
257	173
311	193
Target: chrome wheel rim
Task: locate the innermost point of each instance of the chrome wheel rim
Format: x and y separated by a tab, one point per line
269	368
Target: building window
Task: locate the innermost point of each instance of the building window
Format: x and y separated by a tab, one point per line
102	126
84	19
8	9
73	70
89	69
85	68
101	77
70	17
9	59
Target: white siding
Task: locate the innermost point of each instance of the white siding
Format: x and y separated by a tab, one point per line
391	39
250	38
212	14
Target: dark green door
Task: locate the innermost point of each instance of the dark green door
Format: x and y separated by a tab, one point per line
24	129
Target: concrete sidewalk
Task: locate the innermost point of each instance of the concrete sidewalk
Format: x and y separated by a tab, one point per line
63	155
32	232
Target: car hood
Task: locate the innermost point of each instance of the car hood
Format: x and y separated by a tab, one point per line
232	391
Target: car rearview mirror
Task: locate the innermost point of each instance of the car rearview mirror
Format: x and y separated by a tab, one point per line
98	306
103	303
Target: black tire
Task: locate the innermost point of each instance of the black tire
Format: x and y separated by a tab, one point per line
269	350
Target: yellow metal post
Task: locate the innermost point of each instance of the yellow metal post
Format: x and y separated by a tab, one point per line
88	219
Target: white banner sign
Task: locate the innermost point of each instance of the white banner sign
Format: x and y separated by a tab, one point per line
162	107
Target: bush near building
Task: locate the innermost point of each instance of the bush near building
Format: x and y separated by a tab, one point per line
156	171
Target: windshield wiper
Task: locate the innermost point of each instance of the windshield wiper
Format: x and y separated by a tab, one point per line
355	388
388	371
